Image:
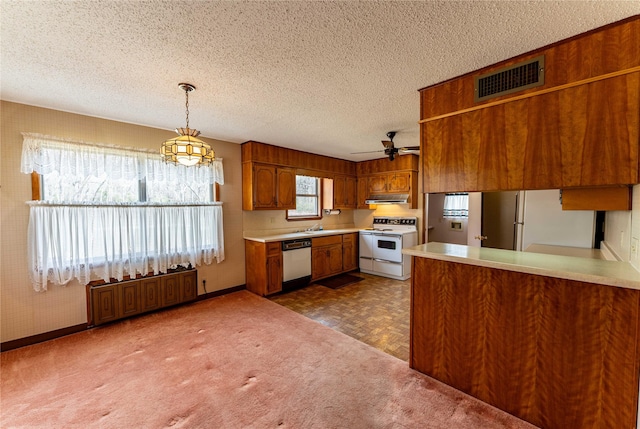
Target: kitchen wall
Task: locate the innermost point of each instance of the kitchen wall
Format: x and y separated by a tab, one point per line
440	228
546	223
621	228
261	222
25	312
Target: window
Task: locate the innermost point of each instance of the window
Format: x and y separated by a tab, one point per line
456	206
113	211
307	199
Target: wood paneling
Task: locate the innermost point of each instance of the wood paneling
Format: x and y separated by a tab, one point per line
114	301
269	154
557	353
580	136
375	166
607	198
606	50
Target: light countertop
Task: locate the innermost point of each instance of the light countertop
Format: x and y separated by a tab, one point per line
267	238
612	273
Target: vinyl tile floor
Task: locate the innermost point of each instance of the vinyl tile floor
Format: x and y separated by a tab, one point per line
374	310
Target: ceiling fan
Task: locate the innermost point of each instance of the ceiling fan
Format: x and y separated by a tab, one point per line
389	149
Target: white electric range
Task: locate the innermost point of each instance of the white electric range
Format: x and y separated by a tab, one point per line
381	246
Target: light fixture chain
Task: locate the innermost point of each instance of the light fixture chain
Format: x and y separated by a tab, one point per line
187	106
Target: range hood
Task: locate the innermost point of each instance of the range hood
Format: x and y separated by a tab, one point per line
387	199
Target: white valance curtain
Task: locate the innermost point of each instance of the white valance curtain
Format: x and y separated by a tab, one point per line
456	206
47	154
86	238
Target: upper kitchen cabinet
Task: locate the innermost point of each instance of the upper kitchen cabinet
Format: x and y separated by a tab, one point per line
269	176
382	176
577	127
270	187
344	192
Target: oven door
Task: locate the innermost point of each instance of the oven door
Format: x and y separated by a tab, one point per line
387	247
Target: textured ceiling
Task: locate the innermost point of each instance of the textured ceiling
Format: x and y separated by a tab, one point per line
325	77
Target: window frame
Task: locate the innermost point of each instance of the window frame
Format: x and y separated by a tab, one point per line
318	195
37	189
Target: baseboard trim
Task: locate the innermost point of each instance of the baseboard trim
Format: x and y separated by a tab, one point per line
46	336
216	293
39	338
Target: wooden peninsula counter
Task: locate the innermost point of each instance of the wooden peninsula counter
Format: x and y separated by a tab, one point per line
551	339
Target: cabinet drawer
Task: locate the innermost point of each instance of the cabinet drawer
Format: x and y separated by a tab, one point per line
349	238
273	248
325	241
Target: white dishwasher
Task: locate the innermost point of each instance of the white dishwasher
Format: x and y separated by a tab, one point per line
296	263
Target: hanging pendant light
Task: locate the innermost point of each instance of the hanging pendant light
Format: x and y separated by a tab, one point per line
187	148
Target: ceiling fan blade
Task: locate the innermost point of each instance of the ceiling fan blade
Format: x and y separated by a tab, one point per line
408	148
368	151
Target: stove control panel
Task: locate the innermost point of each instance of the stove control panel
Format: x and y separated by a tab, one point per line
406	221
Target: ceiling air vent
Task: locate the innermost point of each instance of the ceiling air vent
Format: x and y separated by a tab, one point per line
517	77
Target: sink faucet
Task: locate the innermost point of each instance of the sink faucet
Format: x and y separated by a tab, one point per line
312	228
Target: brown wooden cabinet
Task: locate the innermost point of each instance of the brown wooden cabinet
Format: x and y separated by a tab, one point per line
579	129
574	137
381	176
115	301
350	251
268	187
558	353
326	256
263	267
344	192
334	254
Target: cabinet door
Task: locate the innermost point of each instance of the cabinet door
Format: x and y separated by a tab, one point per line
274	267
170	290
339	190
344	192
286	183
129	294
264	186
151	294
350	193
349	252
377	184
399	182
319	262
334	256
189	290
363	192
105	303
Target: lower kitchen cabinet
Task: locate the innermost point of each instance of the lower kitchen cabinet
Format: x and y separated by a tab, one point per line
331	255
263	265
350	251
115	301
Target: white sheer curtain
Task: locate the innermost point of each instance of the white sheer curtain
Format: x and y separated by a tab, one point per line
88	232
456	205
86	242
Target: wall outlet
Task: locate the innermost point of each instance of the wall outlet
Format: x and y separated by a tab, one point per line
272	219
634	250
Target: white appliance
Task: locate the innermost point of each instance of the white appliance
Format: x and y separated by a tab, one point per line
296	263
381	246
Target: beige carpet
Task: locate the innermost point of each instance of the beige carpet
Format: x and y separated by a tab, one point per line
237	361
